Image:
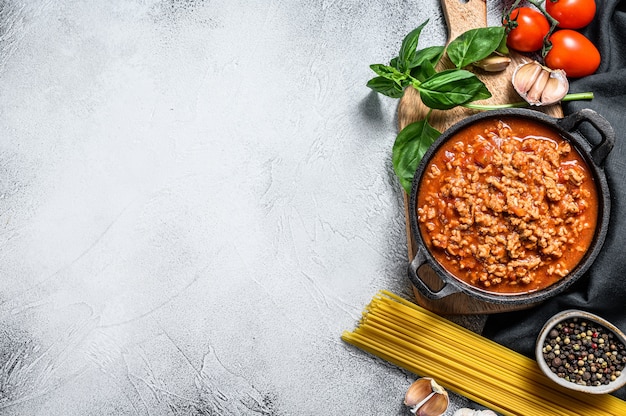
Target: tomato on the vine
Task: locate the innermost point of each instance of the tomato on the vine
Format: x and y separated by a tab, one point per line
572	52
531	28
571	14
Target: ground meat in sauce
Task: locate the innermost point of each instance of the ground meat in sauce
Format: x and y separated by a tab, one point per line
506	210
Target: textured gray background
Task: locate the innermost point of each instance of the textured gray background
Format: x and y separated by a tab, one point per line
196	199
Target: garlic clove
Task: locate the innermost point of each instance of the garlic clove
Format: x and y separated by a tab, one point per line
426	398
435	406
524	77
534	94
419	391
493	63
538	84
556	88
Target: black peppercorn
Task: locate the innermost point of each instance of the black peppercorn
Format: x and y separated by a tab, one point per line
584	352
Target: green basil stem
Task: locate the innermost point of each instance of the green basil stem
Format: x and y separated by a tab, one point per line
568	97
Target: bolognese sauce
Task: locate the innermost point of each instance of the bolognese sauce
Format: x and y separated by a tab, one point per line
507	206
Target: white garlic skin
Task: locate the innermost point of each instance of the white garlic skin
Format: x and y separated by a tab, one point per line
557	87
426	398
538	84
524	76
471	412
493	63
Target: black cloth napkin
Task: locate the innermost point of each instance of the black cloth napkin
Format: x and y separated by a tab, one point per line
603	288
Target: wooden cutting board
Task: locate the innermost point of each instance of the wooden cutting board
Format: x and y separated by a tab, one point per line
460	15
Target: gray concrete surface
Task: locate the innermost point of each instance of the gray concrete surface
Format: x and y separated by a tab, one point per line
196	199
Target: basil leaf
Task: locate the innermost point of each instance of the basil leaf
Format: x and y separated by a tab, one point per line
474	45
423	64
409	149
431	54
386	87
390	73
424	71
502	47
409	47
452	87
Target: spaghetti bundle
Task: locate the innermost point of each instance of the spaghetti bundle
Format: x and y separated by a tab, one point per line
488	373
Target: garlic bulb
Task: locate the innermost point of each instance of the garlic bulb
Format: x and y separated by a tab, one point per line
538	84
471	412
426	398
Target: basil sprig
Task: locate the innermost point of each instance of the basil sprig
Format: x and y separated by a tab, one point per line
447	89
409	148
440	90
476	44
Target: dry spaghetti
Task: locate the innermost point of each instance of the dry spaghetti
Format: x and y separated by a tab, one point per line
488	373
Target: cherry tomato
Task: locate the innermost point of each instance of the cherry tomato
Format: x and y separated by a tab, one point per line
572	52
532	27
571	14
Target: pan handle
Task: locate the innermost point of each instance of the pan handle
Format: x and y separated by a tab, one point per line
602	126
421	286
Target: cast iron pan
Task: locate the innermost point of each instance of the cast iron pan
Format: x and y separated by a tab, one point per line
594	155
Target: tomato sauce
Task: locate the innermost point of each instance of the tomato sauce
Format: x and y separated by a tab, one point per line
507	206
